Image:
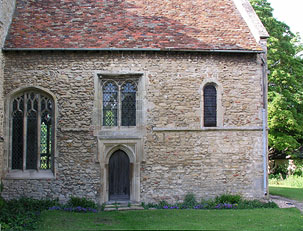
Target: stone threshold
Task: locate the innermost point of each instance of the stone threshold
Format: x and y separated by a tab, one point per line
122	206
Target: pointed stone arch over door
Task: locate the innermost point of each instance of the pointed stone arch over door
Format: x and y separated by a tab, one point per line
119	176
133	149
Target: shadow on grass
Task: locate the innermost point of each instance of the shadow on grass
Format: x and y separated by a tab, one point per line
288	192
246	219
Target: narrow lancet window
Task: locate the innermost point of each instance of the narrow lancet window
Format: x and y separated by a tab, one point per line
128	99
110	104
210	106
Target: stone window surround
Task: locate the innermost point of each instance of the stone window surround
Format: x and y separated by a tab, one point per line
113	138
98	99
220	111
27	174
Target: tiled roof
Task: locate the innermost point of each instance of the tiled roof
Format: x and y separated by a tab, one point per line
128	24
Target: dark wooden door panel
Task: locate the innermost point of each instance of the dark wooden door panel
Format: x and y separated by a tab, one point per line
119	183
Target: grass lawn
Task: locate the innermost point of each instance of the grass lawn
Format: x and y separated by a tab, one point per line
288	192
253	219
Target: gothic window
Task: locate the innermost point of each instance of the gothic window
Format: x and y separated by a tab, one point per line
119	103
110	104
32	126
210	106
128	101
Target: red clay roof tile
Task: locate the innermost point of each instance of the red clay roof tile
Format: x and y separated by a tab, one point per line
145	24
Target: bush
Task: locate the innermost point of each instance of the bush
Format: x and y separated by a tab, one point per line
189	200
2	202
149	205
280	172
299	168
228	199
23	214
162	204
208	204
81	202
225	201
253	204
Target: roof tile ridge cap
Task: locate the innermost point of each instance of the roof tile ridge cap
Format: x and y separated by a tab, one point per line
252	20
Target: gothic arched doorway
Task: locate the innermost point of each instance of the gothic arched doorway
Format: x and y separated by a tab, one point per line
119	182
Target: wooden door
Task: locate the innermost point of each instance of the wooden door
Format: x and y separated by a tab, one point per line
119	183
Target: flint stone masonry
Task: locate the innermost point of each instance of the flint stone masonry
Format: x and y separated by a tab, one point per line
6	10
172	162
206	163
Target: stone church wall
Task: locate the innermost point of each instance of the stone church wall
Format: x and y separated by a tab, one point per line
6	10
179	155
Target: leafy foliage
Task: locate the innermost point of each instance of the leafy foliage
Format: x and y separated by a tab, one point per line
299	168
190	200
81	202
225	201
279	172
23	214
290	181
254	204
285	83
227	198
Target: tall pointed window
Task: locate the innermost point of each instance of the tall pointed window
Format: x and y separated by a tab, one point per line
128	101
110	104
119	103
32	125
210	106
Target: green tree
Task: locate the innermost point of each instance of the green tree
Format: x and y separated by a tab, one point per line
285	83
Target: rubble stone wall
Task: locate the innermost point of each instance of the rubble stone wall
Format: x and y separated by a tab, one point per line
180	155
6	11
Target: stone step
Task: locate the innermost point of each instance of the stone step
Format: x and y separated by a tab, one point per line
122	206
130	208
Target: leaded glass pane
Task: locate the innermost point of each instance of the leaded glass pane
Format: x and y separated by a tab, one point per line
110	104
37	106
210	106
46	133
45	146
128	99
32	134
17	133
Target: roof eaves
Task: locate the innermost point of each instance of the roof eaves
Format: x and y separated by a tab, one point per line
136	49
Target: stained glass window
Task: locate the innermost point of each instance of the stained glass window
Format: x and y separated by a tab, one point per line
32	135
210	106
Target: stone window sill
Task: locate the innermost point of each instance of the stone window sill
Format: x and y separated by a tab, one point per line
30	174
131	133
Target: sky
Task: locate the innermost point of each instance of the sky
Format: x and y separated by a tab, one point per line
289	12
